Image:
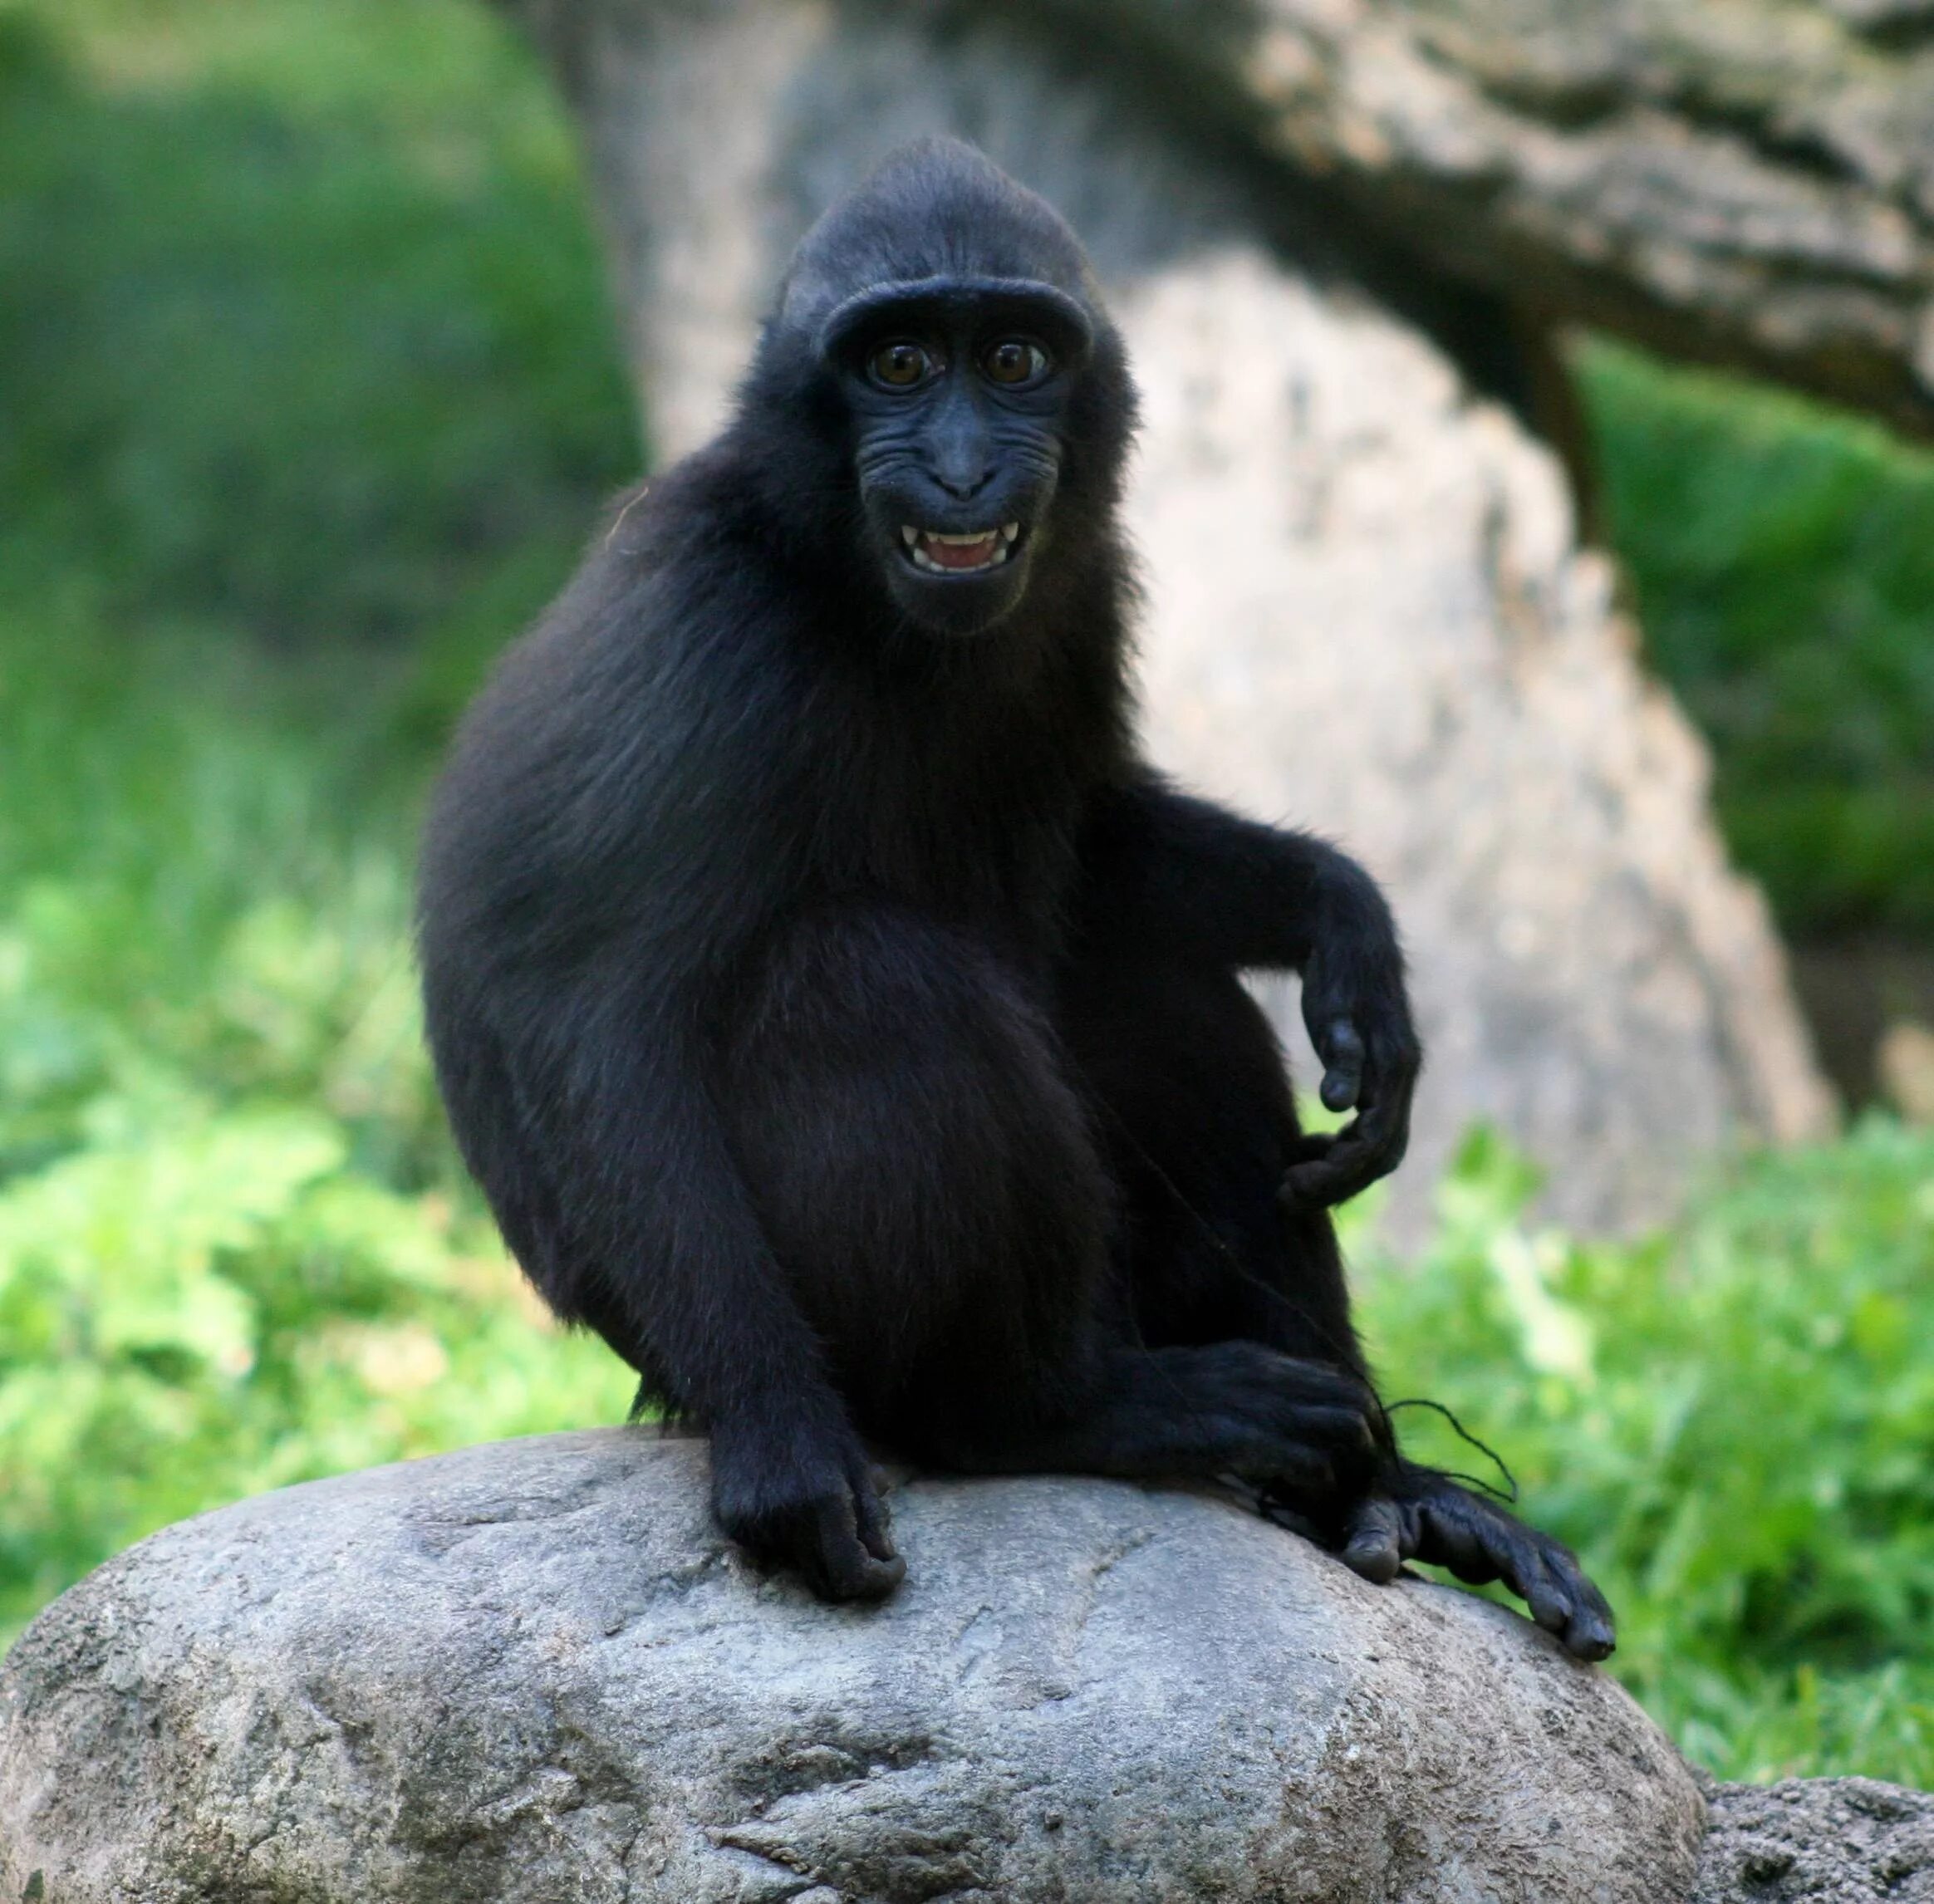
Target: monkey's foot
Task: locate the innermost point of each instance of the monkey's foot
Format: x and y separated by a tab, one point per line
1418	1514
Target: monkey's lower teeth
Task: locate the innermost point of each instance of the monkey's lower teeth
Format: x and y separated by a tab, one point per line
958	554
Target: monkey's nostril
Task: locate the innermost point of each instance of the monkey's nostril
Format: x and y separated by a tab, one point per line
962	488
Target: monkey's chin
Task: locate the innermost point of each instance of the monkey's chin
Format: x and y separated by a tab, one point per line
959	606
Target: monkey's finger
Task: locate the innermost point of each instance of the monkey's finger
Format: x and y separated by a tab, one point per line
836	1562
1544	1576
1373	1546
1321	1183
857	1575
873	1523
1352	1162
1449	1537
1343	1443
1311	1147
1590	1633
1593	1633
1341	1050
1534	1570
1524	1573
1278	1508
1269	1461
1373	1144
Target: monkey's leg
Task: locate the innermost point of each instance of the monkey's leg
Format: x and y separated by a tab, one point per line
1198	1114
599	1144
931	1184
1224	1408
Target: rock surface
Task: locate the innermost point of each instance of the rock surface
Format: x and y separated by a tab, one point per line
1367	613
1818	1840
533	1672
1369	610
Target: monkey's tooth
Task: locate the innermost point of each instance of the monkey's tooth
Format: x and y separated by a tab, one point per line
1011	532
909	535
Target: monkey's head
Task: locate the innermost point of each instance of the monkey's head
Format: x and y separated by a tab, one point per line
940	340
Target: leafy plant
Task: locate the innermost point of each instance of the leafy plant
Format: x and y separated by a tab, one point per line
1783	557
1733	1424
235	1250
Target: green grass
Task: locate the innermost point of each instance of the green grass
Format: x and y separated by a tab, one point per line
308	395
235	1248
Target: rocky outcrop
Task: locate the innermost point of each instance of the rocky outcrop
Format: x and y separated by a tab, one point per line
1818	1840
533	1672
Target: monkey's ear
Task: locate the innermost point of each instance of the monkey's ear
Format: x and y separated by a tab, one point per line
1059	319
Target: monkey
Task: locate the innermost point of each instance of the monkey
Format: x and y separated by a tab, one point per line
846	1021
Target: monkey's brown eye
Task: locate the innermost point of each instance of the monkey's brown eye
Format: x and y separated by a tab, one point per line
1013	360
899	366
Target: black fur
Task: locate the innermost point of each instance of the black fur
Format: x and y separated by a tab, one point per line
844	1020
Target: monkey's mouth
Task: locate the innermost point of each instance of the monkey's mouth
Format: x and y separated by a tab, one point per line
933	553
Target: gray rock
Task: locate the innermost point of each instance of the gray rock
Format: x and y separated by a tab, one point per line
1818	1840
534	1671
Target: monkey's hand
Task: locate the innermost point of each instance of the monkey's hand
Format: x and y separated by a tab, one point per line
1359	1020
809	1501
1416	1513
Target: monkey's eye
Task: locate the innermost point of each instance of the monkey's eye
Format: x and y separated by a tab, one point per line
1014	361
899	365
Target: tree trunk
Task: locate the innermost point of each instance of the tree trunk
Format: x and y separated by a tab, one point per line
1368	609
1746	182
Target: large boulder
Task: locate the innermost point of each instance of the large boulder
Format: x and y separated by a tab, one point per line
534	1671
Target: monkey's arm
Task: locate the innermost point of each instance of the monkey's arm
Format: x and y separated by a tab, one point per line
667	1258
1259	897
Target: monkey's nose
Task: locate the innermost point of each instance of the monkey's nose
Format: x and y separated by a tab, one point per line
960	485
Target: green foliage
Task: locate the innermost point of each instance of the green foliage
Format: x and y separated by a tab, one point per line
305	332
1734	1425
303	337
234	1249
1784	560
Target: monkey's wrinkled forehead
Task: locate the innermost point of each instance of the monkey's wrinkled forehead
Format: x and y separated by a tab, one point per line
935	213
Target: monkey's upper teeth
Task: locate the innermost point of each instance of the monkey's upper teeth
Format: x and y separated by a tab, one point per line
1009	532
909	534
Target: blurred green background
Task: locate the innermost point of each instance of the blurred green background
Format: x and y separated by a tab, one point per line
307	393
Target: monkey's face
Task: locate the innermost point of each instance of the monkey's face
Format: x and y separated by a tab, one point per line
958	404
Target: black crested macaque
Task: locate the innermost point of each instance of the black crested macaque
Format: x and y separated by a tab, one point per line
842	1018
